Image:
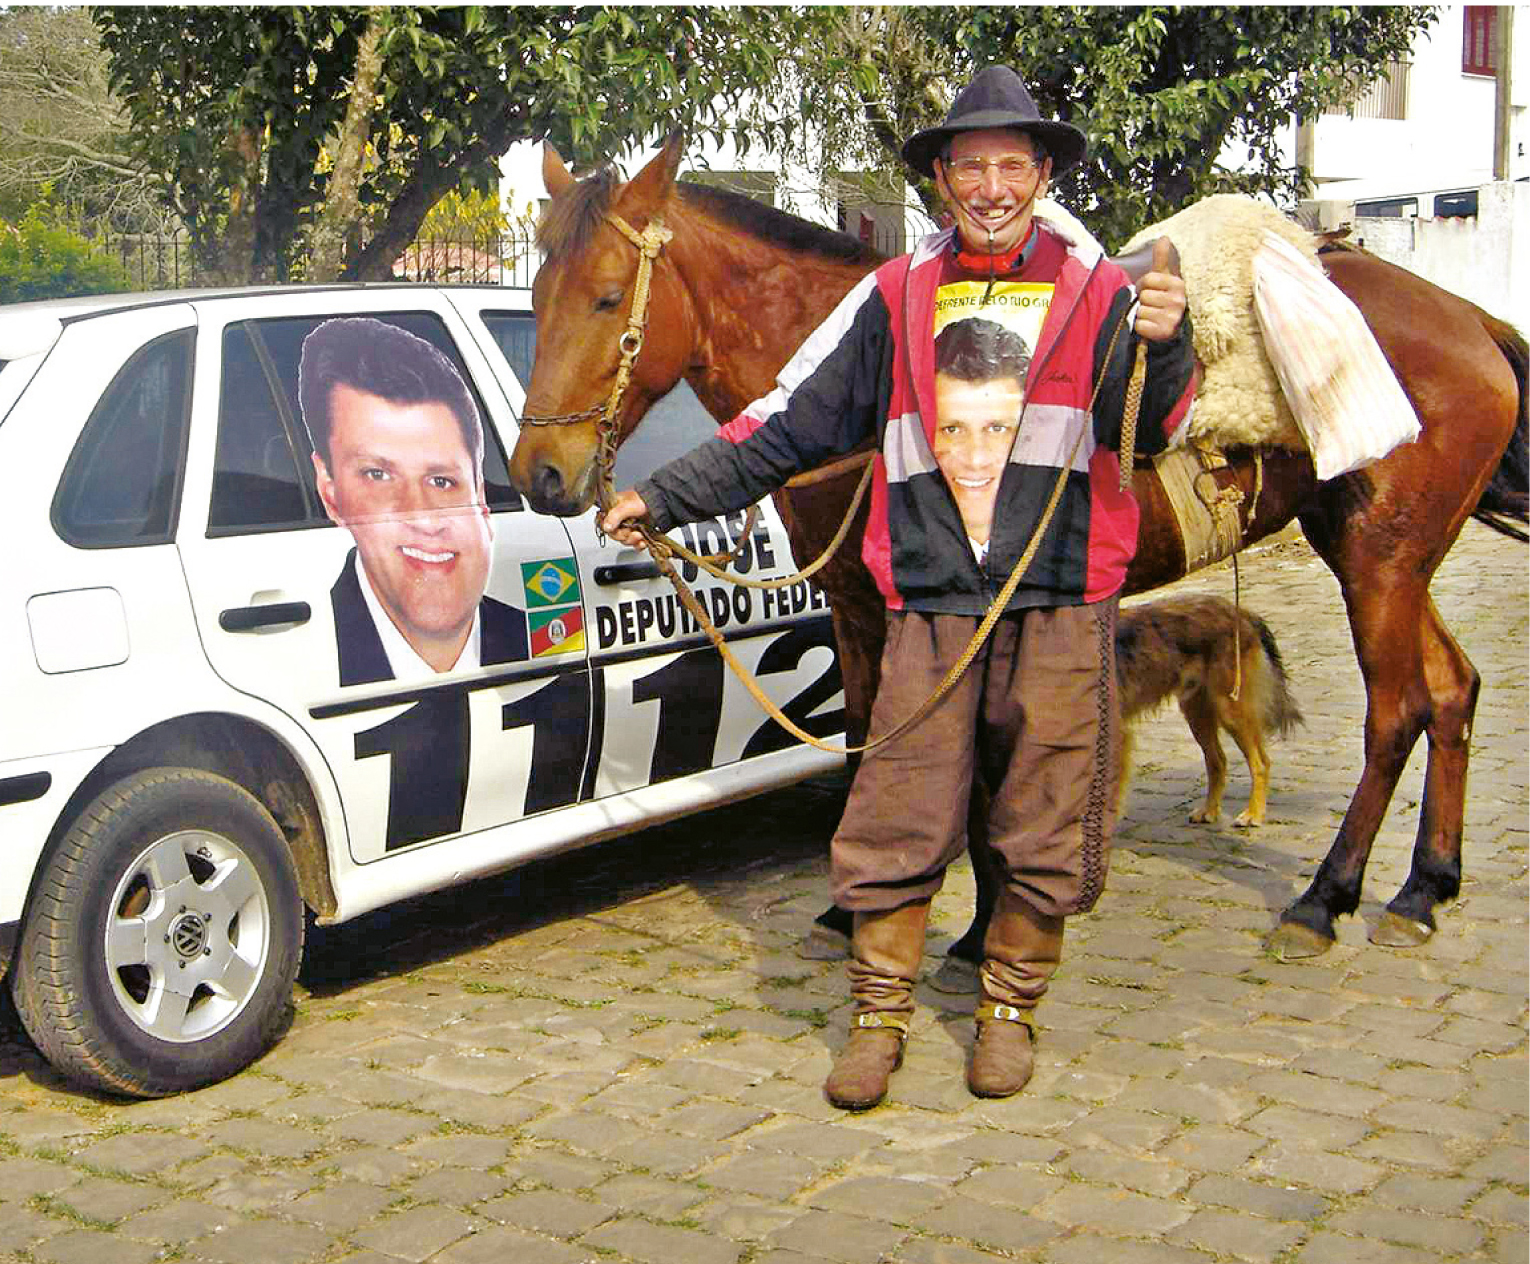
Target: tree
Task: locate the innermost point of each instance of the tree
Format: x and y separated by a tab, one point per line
45	255
1160	91
243	111
60	126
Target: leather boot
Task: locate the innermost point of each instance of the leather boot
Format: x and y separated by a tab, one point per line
885	951
1021	950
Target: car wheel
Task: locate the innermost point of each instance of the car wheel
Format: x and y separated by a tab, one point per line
163	937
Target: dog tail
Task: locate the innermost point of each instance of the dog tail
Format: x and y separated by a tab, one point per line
1281	714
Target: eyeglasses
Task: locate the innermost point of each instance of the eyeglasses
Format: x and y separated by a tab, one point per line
969	173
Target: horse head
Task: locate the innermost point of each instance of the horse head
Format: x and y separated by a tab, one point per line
583	296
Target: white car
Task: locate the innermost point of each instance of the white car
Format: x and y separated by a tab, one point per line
274	635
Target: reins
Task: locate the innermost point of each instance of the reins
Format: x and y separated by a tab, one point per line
660	548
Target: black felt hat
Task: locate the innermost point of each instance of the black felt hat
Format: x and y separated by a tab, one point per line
995	98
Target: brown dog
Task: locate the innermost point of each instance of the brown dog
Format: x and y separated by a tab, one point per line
1184	647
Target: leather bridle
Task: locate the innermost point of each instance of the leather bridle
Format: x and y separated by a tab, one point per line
649	243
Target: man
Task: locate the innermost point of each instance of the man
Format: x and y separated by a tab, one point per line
398	460
1036	713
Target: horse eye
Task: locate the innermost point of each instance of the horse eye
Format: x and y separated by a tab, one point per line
607	301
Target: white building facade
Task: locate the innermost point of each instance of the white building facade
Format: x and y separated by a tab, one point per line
1431	168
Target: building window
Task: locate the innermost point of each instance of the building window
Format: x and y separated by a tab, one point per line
1384	97
1388	208
1479	40
1456	205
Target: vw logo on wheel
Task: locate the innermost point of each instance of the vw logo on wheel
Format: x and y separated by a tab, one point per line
188	935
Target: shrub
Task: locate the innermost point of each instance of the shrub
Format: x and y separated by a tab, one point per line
45	255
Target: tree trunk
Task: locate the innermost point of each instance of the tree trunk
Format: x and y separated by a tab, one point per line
341	202
424	189
230	260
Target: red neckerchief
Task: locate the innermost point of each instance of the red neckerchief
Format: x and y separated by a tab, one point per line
996	265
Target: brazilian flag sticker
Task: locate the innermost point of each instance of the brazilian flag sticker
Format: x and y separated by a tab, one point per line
556	631
553	582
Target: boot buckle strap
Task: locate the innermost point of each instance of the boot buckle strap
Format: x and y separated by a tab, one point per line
873	1019
1007	1014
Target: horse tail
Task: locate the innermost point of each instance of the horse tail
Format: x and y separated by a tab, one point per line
1506	499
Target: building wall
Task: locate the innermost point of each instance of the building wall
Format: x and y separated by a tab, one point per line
1446	142
1485	260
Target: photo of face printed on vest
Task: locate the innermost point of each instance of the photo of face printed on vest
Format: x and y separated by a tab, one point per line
398	461
984	336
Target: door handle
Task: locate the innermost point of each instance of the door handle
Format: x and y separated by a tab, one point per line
251	618
625	572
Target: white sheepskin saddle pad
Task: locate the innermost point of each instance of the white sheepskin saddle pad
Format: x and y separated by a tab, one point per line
1240	400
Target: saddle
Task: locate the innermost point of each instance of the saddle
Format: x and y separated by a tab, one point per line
1239	402
1287	361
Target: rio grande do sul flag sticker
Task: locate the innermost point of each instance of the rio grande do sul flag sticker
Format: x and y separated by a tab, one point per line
556	631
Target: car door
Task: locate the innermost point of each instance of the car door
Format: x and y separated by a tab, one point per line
431	644
666	706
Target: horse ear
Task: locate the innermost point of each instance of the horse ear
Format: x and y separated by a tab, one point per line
650	188
555	173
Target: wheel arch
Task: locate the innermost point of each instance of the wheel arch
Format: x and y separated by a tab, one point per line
242	751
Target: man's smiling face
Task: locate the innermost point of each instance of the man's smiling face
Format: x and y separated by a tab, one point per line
990	182
401	478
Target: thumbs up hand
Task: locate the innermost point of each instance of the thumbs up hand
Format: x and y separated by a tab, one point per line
1162	295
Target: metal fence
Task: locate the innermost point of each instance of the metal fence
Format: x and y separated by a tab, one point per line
154	262
167	262
506	260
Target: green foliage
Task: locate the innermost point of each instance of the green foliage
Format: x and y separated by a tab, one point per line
238	108
1160	91
234	106
473	216
45	255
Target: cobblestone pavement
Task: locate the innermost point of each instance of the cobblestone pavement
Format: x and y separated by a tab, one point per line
618	1054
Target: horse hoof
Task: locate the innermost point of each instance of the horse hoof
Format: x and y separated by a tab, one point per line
1393	931
823	944
1291	941
955	977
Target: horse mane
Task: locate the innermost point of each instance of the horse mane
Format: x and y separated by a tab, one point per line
570	221
778	227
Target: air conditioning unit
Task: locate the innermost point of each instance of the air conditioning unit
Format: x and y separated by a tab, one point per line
1325	215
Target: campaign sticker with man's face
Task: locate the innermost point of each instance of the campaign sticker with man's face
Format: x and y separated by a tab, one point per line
398	461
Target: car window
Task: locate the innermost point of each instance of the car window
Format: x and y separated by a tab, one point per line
516	334
258	474
672	427
121	486
263	475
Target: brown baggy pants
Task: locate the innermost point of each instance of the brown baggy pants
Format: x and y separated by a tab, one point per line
1036	715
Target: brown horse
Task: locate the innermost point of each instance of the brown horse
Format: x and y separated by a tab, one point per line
741	285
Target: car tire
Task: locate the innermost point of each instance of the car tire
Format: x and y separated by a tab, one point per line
163	937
